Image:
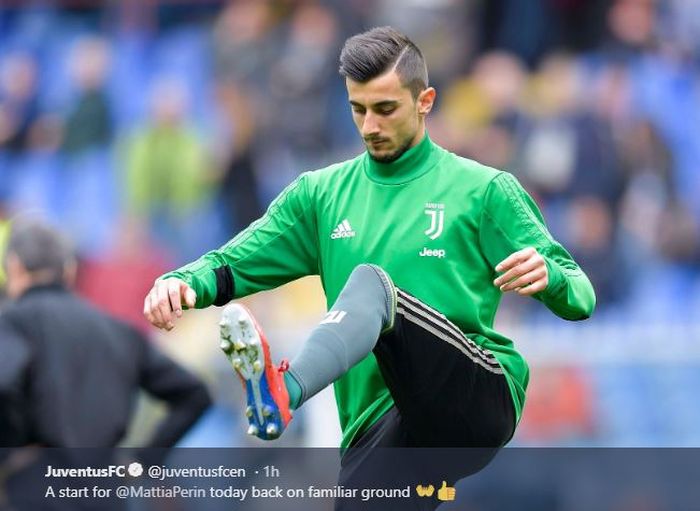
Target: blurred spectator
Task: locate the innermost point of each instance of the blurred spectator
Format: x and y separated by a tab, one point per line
244	47
63	361
501	78
300	96
168	176
591	226
564	150
632	27
239	186
299	80
245	41
89	122
483	109
648	166
19	109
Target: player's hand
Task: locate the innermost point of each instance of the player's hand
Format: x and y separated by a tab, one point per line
163	303
524	272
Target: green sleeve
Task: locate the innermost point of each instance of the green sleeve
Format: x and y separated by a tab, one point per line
279	247
511	221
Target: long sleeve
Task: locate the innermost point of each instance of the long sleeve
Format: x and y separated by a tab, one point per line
511	221
184	394
14	362
278	248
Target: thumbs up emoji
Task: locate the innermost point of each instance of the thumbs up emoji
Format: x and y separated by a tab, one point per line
425	491
445	492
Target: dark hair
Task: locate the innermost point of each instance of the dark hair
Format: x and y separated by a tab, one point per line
39	247
370	54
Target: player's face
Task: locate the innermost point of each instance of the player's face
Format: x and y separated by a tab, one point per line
389	120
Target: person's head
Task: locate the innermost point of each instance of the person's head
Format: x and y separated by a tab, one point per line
18	77
90	62
387	83
36	254
169	101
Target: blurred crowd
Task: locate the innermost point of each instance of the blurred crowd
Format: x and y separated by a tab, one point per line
154	131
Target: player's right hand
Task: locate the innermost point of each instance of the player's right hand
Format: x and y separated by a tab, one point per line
163	303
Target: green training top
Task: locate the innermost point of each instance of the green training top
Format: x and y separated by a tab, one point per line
436	222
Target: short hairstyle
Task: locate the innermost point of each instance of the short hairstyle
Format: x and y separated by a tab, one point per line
370	54
39	247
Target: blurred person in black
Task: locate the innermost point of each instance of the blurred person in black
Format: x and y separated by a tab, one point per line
89	122
69	374
244	46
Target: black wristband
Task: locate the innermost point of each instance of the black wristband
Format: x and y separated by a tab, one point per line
225	287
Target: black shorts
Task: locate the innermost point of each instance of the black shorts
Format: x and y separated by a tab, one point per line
448	393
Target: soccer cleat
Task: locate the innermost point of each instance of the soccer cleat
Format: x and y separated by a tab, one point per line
243	342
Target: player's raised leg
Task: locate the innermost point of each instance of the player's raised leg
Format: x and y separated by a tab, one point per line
346	336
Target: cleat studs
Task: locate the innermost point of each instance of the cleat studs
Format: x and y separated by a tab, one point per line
237	363
272	430
267	411
225	345
239	345
249	411
253	430
257	365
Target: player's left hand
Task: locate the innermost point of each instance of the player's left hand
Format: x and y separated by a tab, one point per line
524	272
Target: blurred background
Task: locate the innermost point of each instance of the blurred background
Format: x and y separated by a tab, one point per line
152	131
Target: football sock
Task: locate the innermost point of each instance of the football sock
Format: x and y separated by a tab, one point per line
294	390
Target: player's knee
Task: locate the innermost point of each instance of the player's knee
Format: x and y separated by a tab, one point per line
369	273
365	269
369	290
374	280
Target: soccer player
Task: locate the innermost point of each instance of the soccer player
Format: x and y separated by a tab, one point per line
415	247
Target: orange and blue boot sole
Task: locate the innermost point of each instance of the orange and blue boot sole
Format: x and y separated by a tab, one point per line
245	345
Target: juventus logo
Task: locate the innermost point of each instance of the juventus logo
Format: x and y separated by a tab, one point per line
333	317
436	212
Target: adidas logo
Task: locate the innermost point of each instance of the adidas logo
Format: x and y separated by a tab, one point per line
343	230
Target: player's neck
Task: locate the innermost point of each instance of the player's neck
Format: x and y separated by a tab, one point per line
416	161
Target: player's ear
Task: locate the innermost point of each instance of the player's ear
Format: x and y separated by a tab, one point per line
425	100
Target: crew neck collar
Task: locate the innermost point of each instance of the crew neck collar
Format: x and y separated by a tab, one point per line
412	164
